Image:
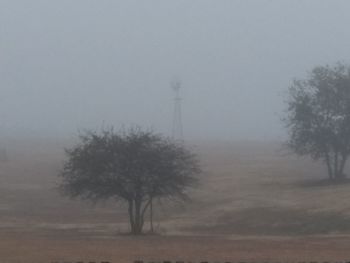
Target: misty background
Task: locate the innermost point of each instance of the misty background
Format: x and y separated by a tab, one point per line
72	65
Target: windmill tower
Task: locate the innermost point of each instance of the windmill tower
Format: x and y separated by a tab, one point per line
177	132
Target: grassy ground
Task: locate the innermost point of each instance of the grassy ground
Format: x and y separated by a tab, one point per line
255	201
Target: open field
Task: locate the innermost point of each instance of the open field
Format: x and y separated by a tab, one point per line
41	249
254	202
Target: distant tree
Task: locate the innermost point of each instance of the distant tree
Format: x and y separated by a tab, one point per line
318	117
133	166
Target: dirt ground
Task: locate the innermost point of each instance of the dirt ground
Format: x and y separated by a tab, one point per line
255	202
126	249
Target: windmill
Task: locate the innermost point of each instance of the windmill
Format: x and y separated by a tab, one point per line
177	131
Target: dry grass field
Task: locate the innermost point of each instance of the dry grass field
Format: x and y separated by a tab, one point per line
255	202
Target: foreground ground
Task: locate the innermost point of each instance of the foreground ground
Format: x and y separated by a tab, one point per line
45	249
255	202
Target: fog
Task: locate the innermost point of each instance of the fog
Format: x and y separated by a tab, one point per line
72	65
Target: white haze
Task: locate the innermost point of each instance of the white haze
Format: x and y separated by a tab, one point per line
70	65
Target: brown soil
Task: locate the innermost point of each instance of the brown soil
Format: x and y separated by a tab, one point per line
126	249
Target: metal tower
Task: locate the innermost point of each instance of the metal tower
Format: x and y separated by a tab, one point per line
177	132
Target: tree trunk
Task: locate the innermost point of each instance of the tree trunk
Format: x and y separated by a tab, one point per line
340	167
131	215
335	165
329	166
135	217
151	215
138	218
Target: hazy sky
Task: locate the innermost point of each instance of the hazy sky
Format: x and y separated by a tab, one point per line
76	64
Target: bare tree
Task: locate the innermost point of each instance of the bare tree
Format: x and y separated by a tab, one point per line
135	167
318	117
